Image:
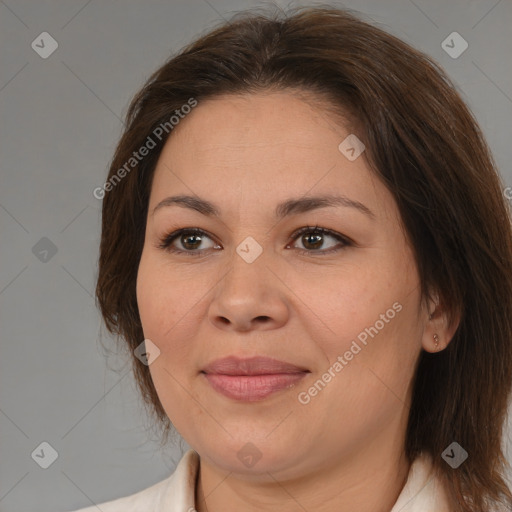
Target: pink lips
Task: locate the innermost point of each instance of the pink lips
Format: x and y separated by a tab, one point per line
251	379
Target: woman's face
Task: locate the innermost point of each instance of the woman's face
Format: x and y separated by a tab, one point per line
349	313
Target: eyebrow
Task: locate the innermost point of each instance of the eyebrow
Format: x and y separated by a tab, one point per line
284	209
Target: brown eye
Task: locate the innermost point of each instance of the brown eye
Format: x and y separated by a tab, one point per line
188	241
313	240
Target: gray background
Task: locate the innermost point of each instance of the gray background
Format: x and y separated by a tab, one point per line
60	123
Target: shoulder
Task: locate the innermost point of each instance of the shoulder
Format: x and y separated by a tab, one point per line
167	495
423	491
147	498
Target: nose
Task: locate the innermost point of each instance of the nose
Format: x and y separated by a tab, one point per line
249	297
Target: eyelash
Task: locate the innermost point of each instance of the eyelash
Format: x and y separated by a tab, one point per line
166	241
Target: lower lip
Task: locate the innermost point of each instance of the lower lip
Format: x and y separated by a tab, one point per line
251	388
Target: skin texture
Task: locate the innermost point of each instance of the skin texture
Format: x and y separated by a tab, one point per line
343	450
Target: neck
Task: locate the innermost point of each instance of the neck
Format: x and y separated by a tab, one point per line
367	482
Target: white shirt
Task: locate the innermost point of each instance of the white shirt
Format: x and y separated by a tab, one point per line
421	493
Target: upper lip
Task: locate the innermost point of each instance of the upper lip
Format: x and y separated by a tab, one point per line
258	365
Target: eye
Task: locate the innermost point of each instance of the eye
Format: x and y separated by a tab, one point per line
189	239
313	238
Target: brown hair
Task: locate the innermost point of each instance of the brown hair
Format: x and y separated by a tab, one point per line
426	147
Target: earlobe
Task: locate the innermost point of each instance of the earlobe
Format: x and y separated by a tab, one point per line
439	330
431	340
436	341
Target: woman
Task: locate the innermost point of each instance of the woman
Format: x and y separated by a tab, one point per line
305	245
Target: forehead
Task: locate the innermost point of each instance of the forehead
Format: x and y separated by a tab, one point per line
267	131
251	119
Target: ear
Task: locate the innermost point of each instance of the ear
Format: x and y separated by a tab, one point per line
440	325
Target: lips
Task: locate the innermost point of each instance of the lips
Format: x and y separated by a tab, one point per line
252	379
251	366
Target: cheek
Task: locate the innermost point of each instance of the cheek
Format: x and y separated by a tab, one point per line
368	315
378	358
371	364
164	296
163	304
170	309
149	300
157	305
339	305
